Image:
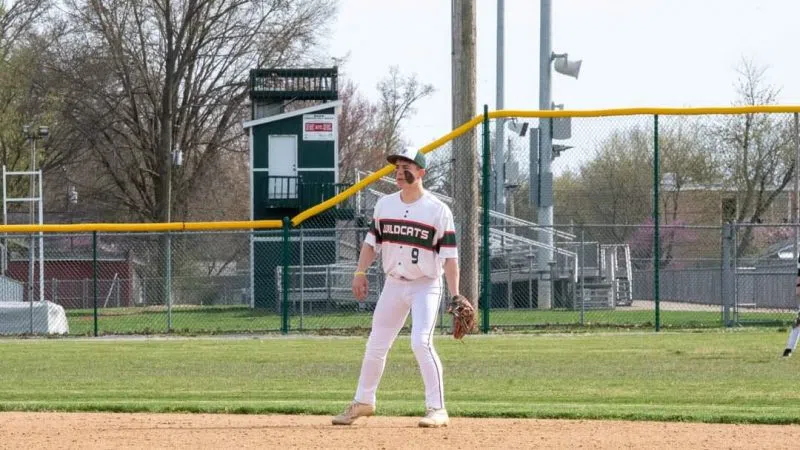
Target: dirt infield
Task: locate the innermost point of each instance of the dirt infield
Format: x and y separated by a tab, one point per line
207	431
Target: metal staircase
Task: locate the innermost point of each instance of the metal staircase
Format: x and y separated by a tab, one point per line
615	264
35	244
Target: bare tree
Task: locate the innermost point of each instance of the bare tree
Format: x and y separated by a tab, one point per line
686	158
612	188
398	96
17	20
26	96
145	79
367	131
616	187
357	124
756	151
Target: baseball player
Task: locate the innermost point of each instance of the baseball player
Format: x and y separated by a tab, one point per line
415	234
794	334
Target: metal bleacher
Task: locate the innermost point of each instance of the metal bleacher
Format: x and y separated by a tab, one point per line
603	272
510	238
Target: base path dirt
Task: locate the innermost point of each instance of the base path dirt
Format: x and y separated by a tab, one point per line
216	431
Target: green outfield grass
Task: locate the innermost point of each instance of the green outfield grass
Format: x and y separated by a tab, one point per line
194	320
711	375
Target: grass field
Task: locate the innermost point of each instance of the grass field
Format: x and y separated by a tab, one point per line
710	375
242	319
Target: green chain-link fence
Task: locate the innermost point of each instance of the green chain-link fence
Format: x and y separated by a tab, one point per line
647	221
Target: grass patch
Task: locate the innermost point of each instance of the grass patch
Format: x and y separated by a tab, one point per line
711	376
219	320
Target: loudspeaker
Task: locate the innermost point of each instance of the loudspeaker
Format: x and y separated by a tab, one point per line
567	67
517	127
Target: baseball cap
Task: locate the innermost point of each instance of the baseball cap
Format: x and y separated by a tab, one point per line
410	154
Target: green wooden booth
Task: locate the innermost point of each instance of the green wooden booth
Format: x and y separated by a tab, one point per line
294	166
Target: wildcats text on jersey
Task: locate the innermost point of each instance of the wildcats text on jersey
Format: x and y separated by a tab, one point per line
407	232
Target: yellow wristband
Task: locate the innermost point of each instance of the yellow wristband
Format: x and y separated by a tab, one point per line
359	273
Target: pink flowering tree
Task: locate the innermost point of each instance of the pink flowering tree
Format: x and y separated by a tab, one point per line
672	235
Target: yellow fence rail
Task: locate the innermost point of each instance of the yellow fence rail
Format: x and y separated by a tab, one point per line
310	212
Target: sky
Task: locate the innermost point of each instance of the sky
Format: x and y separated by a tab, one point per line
635	53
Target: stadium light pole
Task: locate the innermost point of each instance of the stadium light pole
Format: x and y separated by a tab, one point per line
176	160
32	135
545	179
499	200
72	199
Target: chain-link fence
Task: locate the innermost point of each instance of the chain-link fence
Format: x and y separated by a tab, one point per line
641	202
222	282
637	221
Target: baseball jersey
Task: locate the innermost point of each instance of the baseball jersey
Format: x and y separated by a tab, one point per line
413	239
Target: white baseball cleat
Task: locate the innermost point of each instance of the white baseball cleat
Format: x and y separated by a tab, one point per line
353	411
435	418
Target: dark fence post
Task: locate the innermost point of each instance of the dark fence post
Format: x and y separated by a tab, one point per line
487	274
656	237
285	277
94	278
728	277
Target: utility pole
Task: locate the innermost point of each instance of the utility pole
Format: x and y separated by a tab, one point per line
465	156
35	203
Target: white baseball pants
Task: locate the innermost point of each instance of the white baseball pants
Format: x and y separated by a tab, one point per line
422	297
792	341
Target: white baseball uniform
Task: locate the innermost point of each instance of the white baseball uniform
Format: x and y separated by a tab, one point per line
794	333
413	239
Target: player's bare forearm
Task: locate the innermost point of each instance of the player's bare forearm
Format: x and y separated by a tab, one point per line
360	282
366	257
451	274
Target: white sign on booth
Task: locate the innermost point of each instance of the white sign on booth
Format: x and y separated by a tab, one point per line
319	127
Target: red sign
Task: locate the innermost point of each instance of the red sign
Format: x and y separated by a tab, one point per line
319	126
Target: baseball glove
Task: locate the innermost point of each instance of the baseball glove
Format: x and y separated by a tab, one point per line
463	316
